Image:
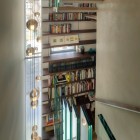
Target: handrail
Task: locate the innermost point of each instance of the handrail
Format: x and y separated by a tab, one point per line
116	104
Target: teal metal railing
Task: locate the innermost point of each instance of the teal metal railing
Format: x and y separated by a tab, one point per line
106	127
58	115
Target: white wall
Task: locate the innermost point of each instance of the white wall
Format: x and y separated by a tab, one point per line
118	64
11	70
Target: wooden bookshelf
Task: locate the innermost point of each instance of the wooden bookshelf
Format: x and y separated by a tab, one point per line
68	8
46	102
58	122
45	85
92	17
77	94
46	7
82	42
66	57
81	100
46	71
74	94
49	128
72	32
46	20
50	112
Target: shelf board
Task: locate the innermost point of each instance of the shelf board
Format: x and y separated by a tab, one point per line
82	42
66	57
47	101
46	72
45	114
92	17
45	20
58	122
49	128
46	7
69	8
72	32
74	94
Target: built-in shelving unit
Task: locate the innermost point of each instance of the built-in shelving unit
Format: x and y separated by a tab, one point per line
52	99
65	83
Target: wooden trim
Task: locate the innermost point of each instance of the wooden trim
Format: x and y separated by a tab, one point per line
93	9
82	42
71	32
120	105
92	17
66	57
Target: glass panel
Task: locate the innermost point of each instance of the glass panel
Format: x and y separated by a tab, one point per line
32	69
84	126
68	123
58	115
90	132
74	125
102	133
64	121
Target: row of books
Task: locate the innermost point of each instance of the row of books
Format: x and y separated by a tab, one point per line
51	120
52	3
60	28
87	5
80	75
64	66
72	76
73	88
69	16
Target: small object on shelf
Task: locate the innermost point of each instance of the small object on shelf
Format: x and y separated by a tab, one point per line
82	49
91	51
61	78
49	120
91	95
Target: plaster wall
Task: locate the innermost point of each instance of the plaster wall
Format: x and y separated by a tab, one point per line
118	65
12	112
